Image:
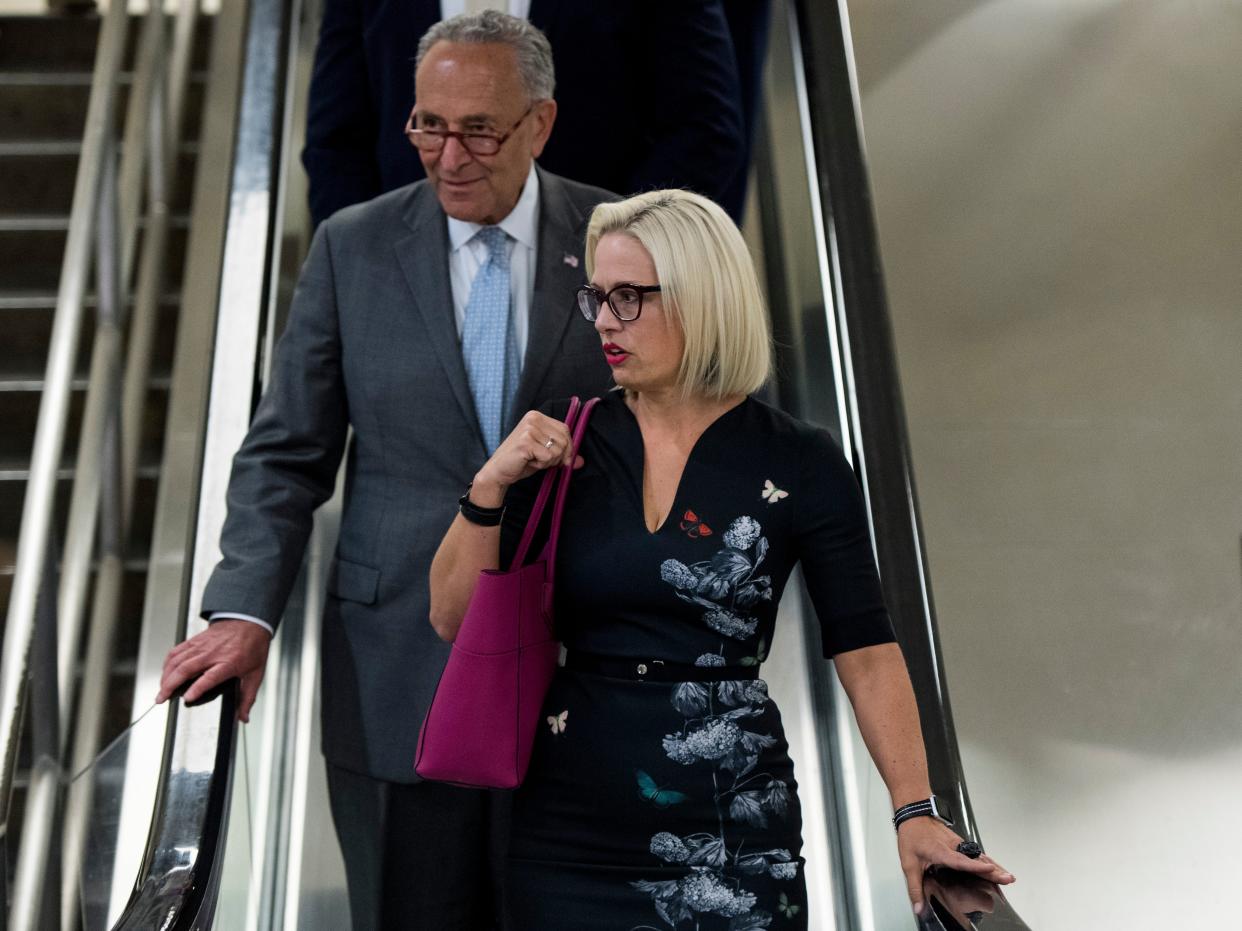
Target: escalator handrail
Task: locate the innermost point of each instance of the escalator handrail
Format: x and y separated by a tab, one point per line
174	891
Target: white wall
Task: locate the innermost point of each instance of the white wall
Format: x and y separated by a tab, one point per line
1059	193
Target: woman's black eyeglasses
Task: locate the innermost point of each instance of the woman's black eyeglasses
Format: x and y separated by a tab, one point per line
626	300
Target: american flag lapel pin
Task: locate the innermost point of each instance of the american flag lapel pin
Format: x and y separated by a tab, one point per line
570	260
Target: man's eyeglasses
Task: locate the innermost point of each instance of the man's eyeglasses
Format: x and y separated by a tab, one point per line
480	143
626	300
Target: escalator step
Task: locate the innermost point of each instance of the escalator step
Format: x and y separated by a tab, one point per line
19	412
37	178
53	106
54	43
28	329
32	252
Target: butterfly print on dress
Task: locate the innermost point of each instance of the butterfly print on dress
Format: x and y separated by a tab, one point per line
771	493
693	527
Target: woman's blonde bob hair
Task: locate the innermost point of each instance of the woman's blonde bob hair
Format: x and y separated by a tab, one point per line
707	285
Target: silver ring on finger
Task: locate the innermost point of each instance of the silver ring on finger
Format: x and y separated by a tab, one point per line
549	443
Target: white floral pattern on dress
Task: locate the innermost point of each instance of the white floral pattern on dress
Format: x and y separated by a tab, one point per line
715	713
726	585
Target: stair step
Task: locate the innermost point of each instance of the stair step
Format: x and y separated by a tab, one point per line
28	335
133	589
138	564
18	473
19	385
46	300
56	109
37	179
59	222
19	412
13	494
55	42
31	254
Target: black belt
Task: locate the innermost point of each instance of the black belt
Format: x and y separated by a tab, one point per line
654	670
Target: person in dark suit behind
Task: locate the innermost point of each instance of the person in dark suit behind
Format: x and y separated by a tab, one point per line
408	325
649	97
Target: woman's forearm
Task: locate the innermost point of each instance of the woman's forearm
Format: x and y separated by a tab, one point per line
876	680
466	550
537	442
878	685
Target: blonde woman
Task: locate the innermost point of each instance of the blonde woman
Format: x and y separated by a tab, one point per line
661	793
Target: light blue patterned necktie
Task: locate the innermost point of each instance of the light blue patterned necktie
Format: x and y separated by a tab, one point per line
488	340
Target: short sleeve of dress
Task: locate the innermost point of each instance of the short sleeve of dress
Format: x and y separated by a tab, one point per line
520	499
834	548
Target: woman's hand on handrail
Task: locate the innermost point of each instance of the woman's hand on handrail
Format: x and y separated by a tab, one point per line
878	685
538	442
925	843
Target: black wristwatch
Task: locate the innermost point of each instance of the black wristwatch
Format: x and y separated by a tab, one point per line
484	517
934	807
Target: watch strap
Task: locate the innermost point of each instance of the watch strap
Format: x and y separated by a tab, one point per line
932	807
484	517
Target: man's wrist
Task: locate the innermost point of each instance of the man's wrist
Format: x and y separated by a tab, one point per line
234	616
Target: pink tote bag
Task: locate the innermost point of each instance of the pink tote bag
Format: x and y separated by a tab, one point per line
480	729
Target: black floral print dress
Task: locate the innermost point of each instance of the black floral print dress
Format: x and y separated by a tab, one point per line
673	804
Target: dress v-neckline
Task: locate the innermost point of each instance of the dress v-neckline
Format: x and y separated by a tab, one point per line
641	470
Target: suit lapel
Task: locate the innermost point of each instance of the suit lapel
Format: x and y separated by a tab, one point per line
423	257
560	269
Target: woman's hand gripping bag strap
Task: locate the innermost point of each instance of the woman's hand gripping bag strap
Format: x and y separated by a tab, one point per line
480	728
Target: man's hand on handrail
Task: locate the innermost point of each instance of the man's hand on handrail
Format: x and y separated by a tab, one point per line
227	649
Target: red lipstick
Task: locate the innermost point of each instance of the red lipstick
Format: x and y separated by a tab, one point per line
614	355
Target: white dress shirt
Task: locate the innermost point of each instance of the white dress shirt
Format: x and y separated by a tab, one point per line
466	257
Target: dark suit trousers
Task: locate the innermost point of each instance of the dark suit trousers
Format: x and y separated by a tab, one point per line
421	857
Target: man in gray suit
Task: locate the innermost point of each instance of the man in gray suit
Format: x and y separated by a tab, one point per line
428	320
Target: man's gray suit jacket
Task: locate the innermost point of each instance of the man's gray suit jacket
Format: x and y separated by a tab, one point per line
372	343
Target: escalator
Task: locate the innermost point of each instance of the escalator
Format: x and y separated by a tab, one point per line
212	825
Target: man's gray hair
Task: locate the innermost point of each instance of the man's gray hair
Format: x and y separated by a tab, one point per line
534	53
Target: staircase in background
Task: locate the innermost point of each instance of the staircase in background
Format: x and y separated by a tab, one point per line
45	75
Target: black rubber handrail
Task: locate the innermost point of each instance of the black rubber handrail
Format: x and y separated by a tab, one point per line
180	873
963	902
